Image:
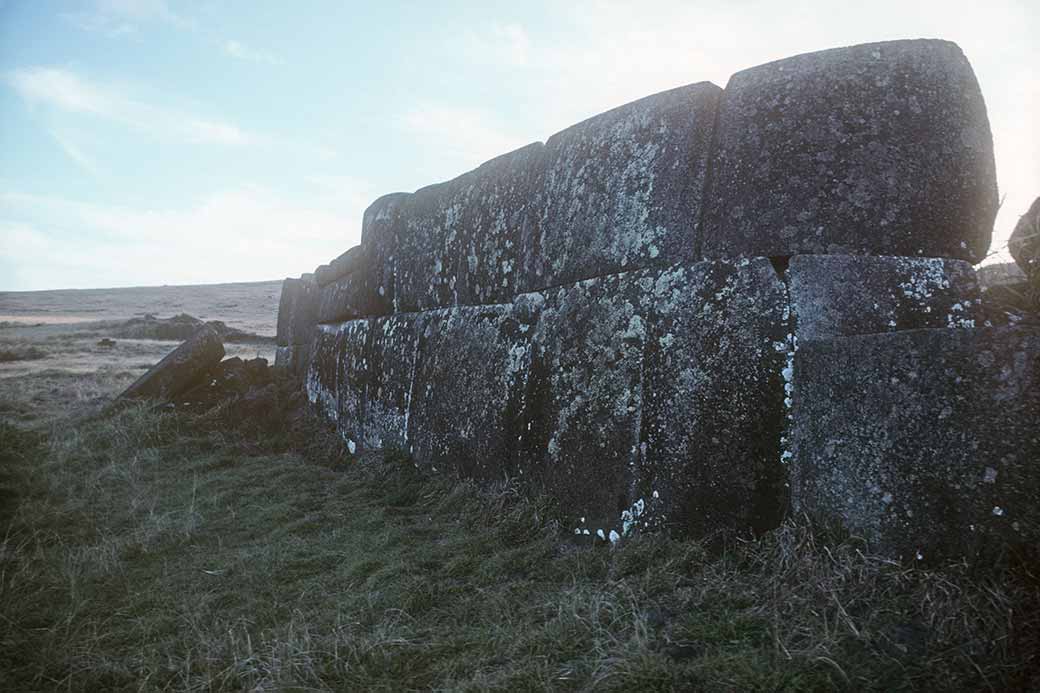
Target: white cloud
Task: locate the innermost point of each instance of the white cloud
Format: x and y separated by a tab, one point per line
240	51
236	235
462	138
67	91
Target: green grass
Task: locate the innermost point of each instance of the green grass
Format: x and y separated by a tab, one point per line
144	550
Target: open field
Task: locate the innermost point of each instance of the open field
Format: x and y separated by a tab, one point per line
150	549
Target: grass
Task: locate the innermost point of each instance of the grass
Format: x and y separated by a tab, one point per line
150	550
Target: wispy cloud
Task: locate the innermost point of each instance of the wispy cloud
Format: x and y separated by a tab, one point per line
67	91
507	44
74	152
125	17
240	51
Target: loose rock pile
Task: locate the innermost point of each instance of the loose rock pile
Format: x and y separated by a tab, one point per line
703	310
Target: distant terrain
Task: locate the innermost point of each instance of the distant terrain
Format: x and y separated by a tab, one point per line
250	306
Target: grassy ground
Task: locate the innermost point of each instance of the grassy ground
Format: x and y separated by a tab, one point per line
151	550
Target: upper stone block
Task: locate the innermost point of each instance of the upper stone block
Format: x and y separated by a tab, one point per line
878	149
460	241
623	190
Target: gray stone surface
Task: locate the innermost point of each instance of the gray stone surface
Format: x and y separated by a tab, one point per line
1024	243
345	298
926	442
380	231
297	311
337	376
842	295
391	356
181	369
880	149
347	262
468	380
623	190
460	241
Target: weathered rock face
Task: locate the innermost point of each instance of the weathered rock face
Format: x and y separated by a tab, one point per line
181	369
623	190
1024	243
380	231
923	442
647	397
460	241
843	295
547	316
298	311
658	400
881	148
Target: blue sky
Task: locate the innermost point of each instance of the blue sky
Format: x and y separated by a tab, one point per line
151	142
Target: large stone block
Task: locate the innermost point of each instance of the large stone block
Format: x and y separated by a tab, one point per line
337	376
181	369
468	384
1024	243
297	311
881	149
843	295
380	238
346	298
623	190
657	398
460	241
392	354
923	442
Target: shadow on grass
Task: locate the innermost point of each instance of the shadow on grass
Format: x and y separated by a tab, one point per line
157	550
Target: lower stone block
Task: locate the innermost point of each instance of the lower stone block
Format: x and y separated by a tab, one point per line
923	442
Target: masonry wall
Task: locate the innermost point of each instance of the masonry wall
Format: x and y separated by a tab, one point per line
618	316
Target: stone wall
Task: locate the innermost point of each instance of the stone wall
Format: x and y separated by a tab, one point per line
702	310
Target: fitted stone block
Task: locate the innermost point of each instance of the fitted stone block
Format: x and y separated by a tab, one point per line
923	442
879	149
460	241
297	311
380	238
660	400
469	379
391	356
623	190
843	295
346	298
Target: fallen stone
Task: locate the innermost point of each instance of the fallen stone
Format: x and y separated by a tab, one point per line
925	442
623	190
179	328
878	149
180	369
107	343
460	241
844	295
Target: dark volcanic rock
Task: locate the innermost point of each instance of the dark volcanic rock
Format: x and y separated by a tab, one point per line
460	241
298	311
623	190
1024	243
346	298
180	369
380	232
923	442
337	376
843	295
179	328
347	262
324	274
469	375
881	149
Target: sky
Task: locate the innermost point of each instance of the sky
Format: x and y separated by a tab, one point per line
149	142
